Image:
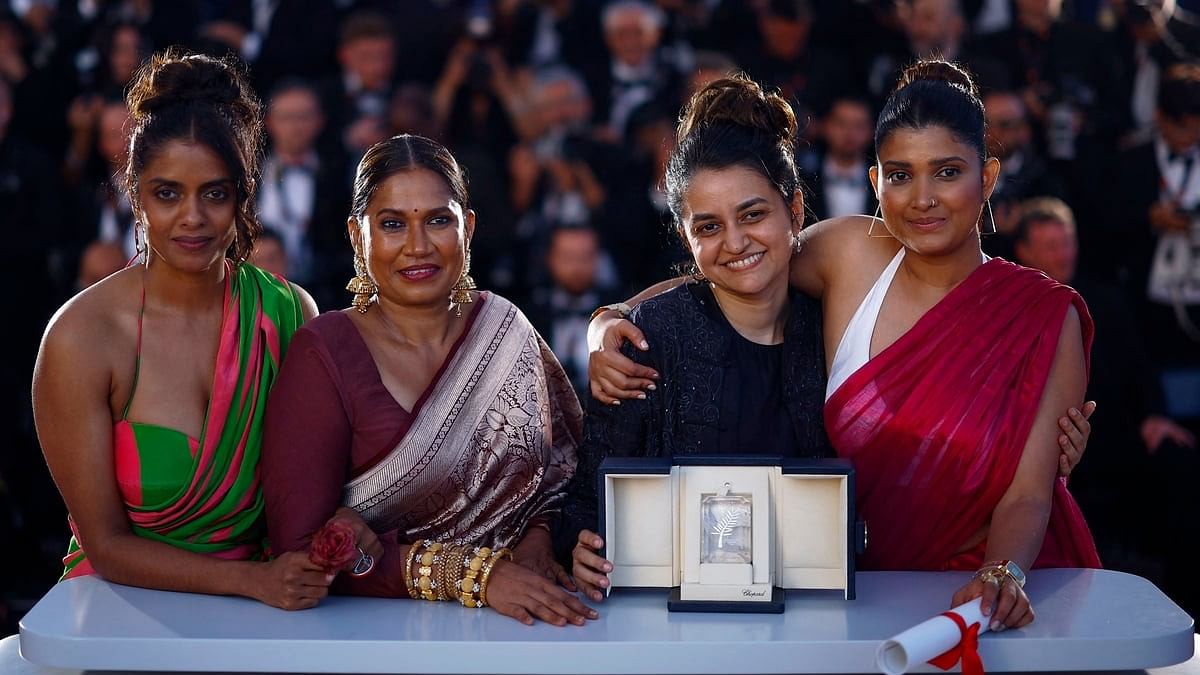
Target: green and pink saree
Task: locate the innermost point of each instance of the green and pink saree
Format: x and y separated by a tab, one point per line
203	495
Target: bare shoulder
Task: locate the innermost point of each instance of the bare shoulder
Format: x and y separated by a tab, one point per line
847	236
841	245
97	321
308	306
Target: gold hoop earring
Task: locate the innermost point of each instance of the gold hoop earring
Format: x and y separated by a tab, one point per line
460	293
879	217
991	217
361	286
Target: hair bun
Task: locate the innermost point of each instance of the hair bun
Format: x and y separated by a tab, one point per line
740	101
173	78
937	70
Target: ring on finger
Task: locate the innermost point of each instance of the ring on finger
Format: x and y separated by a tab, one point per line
366	563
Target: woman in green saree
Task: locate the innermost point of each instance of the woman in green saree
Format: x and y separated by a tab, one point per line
150	386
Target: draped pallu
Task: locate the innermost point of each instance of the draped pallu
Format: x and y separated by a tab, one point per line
491	447
203	495
936	423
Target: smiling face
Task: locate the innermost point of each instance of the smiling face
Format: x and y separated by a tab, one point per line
739	230
931	189
413	236
187	198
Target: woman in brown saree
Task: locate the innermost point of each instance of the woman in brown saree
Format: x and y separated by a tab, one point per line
434	411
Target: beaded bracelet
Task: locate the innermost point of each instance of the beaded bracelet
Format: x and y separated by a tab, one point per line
502	554
408	565
427	582
468	586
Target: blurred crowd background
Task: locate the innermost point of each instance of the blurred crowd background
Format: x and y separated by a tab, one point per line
563	112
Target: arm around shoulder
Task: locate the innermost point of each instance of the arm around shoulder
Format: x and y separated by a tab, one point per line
824	247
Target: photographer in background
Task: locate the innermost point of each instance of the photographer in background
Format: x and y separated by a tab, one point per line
1144	464
355	102
561	307
1155	222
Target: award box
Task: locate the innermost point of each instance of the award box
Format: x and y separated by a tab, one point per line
729	534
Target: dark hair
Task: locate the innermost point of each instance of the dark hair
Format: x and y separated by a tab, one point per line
287	85
405	153
934	93
1042	210
733	122
365	25
1179	91
202	99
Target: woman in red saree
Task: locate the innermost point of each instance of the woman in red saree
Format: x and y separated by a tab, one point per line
948	371
151	386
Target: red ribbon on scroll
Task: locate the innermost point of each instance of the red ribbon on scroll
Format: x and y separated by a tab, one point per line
967	649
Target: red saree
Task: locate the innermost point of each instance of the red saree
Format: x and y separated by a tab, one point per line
936	423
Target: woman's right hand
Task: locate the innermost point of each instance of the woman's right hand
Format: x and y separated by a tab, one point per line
613	376
516	591
291	581
589	569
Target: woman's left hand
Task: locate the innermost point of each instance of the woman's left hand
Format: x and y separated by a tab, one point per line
1074	437
364	536
536	552
1003	600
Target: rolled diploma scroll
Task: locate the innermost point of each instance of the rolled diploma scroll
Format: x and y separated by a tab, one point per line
928	640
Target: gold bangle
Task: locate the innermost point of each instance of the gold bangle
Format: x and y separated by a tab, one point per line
408	564
502	554
448	561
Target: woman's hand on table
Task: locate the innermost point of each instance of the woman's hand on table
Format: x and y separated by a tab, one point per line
365	538
291	581
1076	429
1004	601
590	570
613	376
515	590
536	552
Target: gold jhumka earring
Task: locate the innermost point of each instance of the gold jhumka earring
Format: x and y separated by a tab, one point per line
460	293
361	286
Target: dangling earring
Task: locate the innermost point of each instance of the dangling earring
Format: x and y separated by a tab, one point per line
140	244
878	216
991	217
796	242
361	286
460	293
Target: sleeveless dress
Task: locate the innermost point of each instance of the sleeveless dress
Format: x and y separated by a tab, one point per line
936	423
203	494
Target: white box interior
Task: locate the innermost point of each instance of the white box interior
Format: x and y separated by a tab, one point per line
808	526
752	481
642	508
811	522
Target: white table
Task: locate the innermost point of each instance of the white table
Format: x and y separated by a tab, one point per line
1087	621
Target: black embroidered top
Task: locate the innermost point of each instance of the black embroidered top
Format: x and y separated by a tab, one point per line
707	403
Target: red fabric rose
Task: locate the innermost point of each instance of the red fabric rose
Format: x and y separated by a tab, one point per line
334	547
